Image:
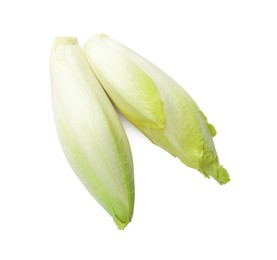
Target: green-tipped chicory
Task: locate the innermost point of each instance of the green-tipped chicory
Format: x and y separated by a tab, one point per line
159	107
90	132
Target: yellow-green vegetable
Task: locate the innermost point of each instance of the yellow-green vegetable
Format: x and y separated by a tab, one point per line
160	108
91	135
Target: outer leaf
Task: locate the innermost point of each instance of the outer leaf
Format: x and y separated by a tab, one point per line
90	132
136	92
185	133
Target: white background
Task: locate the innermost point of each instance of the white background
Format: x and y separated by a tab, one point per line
224	53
